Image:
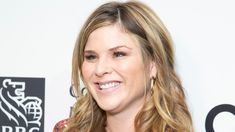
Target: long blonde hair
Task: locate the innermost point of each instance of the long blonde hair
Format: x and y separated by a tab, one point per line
166	109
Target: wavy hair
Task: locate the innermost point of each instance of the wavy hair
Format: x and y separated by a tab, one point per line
166	110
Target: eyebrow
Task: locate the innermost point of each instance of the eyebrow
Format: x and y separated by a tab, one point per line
111	49
88	51
120	46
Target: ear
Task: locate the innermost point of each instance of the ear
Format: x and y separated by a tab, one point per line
152	69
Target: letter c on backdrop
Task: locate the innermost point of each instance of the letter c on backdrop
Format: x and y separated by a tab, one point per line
214	112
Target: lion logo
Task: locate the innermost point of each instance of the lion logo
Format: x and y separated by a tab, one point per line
20	109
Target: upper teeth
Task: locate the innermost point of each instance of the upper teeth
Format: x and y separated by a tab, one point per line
108	85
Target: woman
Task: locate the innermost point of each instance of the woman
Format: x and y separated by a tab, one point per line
125	58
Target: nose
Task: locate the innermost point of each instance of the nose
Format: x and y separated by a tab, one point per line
103	67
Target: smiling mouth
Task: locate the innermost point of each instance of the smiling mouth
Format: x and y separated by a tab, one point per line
104	86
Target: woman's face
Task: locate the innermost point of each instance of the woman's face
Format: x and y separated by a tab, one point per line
113	69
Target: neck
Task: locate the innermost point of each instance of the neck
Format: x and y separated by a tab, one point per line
122	121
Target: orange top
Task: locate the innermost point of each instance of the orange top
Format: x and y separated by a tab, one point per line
61	125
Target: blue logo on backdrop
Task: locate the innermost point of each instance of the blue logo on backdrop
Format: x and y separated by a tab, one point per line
22	104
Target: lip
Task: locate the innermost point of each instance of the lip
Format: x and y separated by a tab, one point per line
108	90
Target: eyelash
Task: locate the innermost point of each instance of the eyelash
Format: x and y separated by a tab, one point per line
115	55
119	54
90	57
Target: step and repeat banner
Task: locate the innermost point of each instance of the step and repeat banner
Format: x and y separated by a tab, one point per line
22	104
36	44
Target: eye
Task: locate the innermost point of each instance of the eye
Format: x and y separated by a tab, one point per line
90	57
119	54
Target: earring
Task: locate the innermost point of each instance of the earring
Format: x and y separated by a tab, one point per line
152	82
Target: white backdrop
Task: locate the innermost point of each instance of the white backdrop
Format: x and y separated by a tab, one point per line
37	39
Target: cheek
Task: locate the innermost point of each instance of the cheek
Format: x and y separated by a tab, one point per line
134	78
125	67
131	70
86	71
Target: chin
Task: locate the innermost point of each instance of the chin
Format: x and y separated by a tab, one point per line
109	107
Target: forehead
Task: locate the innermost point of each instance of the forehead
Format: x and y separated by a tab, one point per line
110	36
